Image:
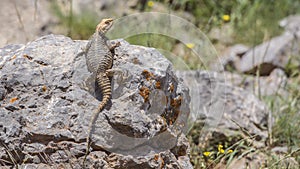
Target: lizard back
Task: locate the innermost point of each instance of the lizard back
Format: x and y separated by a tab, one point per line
98	55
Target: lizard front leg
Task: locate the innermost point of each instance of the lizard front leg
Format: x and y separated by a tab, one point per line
112	46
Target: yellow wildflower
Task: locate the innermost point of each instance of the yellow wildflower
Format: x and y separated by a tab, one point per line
190	45
220	149
226	18
229	151
150	3
206	153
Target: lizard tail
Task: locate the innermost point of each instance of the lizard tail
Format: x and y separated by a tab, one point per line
105	86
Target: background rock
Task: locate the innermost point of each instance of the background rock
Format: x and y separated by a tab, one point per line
272	54
24	20
48	98
224	108
291	24
279	52
230	59
271	85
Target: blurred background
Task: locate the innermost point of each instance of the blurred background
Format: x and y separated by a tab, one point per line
226	23
237	29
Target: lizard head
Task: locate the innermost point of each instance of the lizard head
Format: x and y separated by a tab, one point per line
104	25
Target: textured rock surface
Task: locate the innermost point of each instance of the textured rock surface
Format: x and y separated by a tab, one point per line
291	24
278	52
269	55
270	85
230	59
224	108
47	97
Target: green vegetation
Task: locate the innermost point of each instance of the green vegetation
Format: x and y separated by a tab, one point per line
252	21
285	132
164	44
287	118
78	26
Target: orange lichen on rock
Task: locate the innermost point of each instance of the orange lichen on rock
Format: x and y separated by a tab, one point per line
158	85
44	88
144	92
162	163
13	99
171	87
148	75
176	102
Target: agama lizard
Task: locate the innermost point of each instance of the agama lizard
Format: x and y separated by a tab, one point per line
99	56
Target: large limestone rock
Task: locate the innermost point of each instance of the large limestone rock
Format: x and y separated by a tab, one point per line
47	98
